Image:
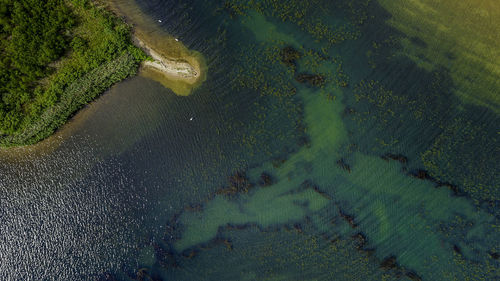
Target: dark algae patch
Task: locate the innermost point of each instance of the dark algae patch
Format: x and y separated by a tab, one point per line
289	56
331	140
311	79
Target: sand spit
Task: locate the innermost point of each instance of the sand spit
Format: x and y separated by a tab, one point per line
173	64
170	67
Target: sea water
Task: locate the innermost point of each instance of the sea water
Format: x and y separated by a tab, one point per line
331	140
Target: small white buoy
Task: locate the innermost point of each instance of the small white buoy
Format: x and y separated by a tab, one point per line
159	21
191	119
176	39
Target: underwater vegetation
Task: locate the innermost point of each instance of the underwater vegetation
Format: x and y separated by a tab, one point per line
462	37
369	157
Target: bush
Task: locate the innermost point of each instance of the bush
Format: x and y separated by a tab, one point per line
47	47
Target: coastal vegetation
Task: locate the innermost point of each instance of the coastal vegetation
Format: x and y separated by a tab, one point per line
55	57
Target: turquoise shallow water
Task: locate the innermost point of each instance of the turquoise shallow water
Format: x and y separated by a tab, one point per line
317	151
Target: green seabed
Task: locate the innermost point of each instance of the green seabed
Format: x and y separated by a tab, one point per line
460	36
328	143
383	184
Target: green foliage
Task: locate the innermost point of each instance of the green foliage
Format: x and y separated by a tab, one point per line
32	36
46	46
77	94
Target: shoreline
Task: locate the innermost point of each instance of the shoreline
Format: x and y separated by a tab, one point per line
170	63
177	69
173	65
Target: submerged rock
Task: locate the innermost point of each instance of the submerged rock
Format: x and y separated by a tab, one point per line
228	244
304	141
348	111
143	275
265	179
413	276
190	253
343	165
315	80
389	263
307	184
494	255
450	186
348	218
397	157
361	239
422	174
289	56
238	182
277	162
298	227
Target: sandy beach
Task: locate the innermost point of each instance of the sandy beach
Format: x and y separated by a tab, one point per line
174	68
173	64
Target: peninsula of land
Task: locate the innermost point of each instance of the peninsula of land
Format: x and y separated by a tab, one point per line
169	61
77	50
175	69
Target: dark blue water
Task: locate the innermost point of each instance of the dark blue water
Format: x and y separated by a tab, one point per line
374	170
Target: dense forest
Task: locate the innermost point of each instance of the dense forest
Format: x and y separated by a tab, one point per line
56	56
